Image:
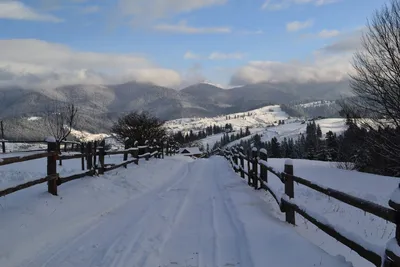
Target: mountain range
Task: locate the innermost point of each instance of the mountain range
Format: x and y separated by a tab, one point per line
100	105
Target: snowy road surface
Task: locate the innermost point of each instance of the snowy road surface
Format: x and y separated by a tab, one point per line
201	214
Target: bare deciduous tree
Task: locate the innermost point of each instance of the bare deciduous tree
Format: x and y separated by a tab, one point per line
376	84
376	81
60	119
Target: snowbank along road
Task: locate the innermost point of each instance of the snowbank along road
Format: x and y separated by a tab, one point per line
199	214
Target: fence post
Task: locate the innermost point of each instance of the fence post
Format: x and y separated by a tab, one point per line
126	147
59	152
3	144
52	165
162	150
235	159
83	155
95	154
136	152
394	204
146	150
89	156
263	170
249	166
101	156
289	190
158	151
254	153
241	152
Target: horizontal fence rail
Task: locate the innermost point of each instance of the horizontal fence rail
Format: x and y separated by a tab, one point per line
257	176
92	156
11	160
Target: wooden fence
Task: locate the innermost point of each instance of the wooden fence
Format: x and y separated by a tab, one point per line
257	174
92	157
65	146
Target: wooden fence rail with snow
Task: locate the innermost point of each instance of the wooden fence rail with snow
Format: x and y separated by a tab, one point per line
92	155
65	146
257	172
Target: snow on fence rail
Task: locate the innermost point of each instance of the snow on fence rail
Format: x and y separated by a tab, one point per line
385	257
90	153
64	145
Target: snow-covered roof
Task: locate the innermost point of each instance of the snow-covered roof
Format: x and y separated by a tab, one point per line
190	151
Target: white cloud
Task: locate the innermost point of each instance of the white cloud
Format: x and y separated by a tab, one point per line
148	10
328	33
214	56
348	42
193	75
329	64
191	55
182	27
38	63
321	68
223	56
282	4
324	34
19	11
298	25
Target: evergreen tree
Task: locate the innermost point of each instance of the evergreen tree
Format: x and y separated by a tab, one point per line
275	148
247	131
319	132
331	146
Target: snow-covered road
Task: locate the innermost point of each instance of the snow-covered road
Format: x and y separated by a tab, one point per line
202	214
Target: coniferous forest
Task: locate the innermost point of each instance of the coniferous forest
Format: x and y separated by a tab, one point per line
351	150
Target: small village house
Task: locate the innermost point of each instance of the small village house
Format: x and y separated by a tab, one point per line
191	151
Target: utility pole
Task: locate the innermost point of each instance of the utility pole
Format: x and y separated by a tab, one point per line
3	144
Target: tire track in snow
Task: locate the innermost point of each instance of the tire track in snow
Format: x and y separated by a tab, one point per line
216	248
115	236
236	224
135	245
177	211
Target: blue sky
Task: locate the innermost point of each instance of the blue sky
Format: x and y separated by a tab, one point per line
178	42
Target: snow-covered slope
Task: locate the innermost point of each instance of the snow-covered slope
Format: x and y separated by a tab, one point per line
256	118
367	227
316	104
293	129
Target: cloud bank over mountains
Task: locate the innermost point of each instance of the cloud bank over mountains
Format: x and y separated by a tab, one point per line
48	64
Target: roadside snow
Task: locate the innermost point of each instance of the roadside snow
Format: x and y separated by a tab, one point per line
370	228
172	212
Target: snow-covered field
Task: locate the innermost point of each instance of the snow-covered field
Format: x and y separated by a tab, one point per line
317	104
12	147
258	118
293	129
370	228
263	121
172	212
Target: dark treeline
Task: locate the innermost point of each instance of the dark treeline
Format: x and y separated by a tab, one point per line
310	145
210	130
352	149
227	138
323	109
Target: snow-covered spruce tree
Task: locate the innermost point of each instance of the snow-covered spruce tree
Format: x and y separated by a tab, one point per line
139	126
